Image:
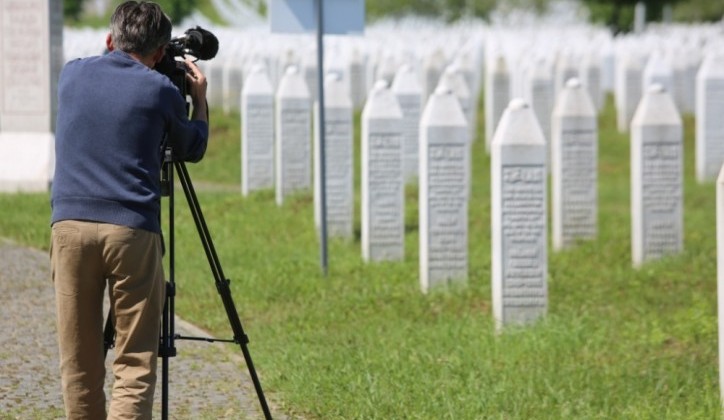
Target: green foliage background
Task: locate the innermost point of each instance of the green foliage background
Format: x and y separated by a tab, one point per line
617	14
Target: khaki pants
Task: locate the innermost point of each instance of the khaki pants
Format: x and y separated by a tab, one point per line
84	255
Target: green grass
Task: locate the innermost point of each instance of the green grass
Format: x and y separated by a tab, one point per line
363	342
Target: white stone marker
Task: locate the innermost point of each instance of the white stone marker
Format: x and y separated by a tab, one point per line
628	89
31	47
539	90
720	275
567	67
709	117
519	218
497	96
293	135
433	67
444	185
452	79
357	79
309	71
574	167
658	71
639	17
383	186
408	91
233	82
591	78
257	132
339	159
656	177
215	90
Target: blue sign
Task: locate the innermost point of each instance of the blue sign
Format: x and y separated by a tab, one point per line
300	16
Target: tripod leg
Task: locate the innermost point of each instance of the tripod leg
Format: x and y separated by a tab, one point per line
222	283
109	333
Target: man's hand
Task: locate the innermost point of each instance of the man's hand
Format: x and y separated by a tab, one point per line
196	82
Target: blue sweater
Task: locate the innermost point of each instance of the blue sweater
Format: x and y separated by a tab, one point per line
113	115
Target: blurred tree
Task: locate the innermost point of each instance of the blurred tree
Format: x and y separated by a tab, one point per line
699	11
177	10
619	14
72	9
450	10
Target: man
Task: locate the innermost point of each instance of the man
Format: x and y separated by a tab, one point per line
114	114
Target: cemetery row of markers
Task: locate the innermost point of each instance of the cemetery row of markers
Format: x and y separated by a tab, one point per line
401	143
419	87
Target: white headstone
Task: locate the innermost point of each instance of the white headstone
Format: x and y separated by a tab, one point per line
567	67
541	97
31	47
656	177
658	71
214	72
383	187
452	79
497	96
433	67
339	160
591	78
233	82
293	135
639	17
408	91
519	218
358	79
720	275
628	89
709	117
574	167
309	71
257	132
444	185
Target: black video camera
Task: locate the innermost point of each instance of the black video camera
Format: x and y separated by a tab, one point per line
195	42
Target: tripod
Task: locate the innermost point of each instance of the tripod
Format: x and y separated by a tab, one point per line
167	347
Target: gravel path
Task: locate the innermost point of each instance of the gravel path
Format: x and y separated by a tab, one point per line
206	380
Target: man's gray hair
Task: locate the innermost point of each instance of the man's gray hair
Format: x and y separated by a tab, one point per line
139	27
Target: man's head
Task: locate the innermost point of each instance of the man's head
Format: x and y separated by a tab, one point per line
139	28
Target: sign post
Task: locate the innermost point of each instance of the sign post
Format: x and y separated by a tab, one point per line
321	16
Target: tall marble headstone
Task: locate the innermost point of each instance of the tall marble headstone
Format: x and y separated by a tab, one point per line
574	167
656	177
709	117
432	69
293	135
639	17
628	89
720	275
31	47
257	132
497	96
591	70
309	71
357	79
383	186
214	72
408	91
519	218
453	79
444	183
658	70
567	67
339	159
540	95
233	80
